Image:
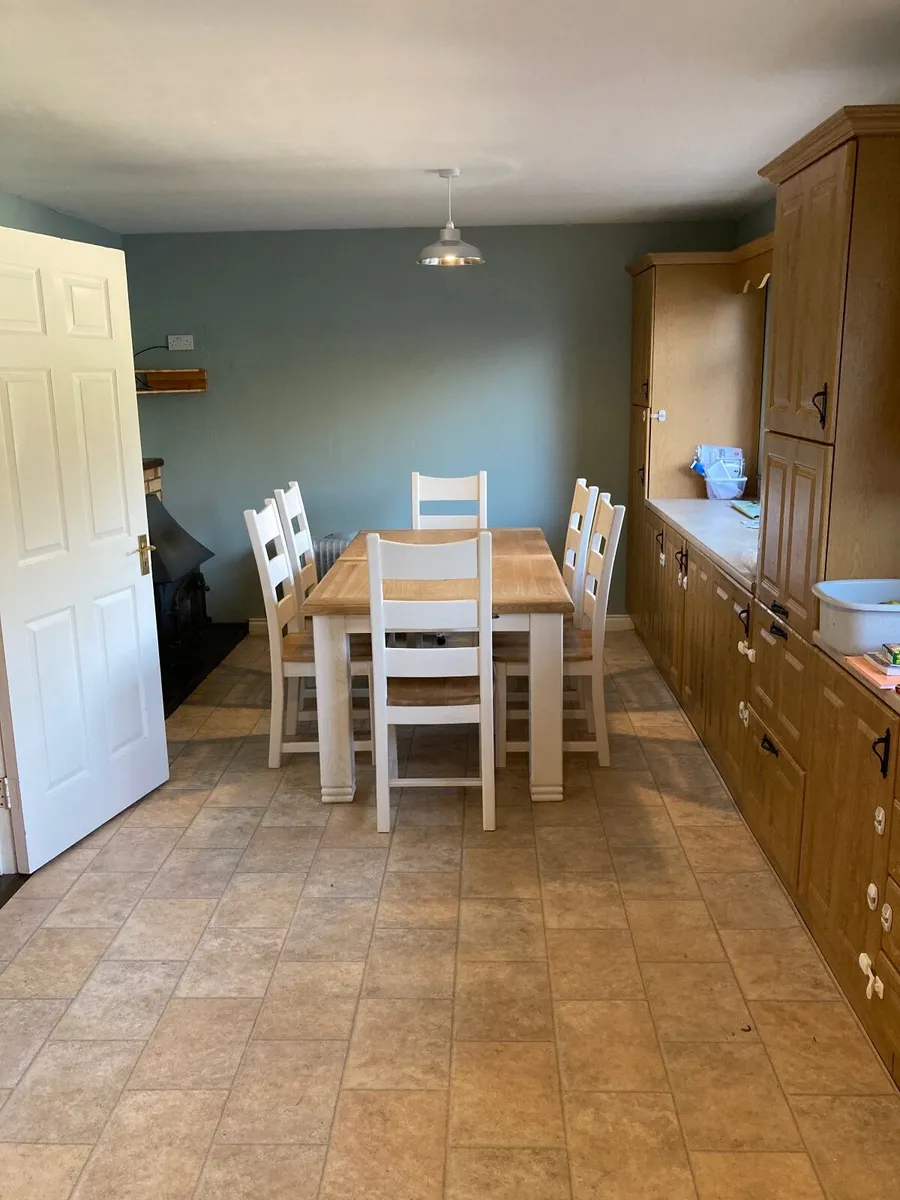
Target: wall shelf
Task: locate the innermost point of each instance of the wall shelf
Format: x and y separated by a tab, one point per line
189	381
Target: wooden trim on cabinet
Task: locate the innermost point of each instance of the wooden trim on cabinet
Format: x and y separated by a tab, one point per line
854	120
752	261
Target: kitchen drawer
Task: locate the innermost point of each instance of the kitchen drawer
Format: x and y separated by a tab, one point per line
890	938
773	793
779	679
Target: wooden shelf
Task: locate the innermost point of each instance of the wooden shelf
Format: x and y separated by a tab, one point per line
189	381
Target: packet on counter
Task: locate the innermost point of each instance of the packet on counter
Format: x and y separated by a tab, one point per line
892	652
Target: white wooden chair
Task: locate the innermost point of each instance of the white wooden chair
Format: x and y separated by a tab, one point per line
301	555
578	536
290	648
433	685
582	647
433	488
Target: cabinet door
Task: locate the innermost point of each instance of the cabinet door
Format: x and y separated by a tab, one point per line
728	684
795	498
672	606
637	474
772	795
651	582
843	847
812	239
642	336
696	658
779	678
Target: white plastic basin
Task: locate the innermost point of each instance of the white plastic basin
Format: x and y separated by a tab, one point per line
855	616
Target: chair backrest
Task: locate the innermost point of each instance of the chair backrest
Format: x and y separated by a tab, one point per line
430	577
601	559
433	487
275	575
298	539
578	537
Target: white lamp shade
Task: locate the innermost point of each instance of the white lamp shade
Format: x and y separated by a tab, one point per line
450	251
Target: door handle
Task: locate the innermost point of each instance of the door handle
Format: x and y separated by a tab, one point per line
744	618
659	416
143	548
768	745
780	611
820	404
641	474
645	388
881	748
776	631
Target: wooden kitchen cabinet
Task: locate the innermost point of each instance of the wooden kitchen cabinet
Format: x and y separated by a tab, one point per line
779	679
772	796
671	602
796	495
728	680
638	445
652	541
642	337
696	656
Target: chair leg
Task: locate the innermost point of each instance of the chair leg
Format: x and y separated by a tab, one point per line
382	755
276	721
294	703
500	713
584	700
598	708
393	757
371	680
486	770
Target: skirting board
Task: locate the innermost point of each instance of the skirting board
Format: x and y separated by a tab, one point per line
615	623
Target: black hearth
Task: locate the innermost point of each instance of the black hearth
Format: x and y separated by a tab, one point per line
190	644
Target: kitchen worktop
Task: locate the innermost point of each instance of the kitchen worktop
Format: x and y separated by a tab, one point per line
718	531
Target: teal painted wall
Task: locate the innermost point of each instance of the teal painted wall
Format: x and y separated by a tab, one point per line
758	221
18	213
335	360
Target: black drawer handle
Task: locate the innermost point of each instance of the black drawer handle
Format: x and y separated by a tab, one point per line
777	631
641	474
645	388
744	618
659	538
881	748
768	745
780	611
821	408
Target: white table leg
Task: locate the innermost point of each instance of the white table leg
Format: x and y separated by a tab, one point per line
336	761
545	684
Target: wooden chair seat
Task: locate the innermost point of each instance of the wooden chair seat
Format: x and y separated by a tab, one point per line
513	647
427	693
298	647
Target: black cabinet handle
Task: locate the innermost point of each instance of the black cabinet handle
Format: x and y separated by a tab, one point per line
645	388
659	538
820	404
768	745
776	631
881	748
641	474
679	558
780	611
744	618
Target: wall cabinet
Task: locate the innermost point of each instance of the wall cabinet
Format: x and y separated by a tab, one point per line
779	676
772	794
642	337
728	677
638	446
696	660
671	599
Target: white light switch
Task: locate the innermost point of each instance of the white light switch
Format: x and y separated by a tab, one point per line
180	341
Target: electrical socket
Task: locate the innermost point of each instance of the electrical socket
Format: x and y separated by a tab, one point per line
180	341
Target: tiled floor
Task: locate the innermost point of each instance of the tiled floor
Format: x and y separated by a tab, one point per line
233	992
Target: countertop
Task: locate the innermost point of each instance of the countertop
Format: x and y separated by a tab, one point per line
718	531
888	696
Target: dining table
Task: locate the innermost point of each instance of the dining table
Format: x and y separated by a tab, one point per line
529	596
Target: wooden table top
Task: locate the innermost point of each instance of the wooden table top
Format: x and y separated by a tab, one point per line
522	582
503	541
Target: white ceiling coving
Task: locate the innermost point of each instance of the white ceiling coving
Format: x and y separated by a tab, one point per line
166	115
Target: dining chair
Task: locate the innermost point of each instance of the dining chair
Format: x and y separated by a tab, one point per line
434	488
578	537
430	685
582	647
290	647
301	555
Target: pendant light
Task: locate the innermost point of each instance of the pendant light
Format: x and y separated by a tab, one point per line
450	250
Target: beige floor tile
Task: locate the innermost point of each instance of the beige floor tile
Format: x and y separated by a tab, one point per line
68	1092
419	900
169	810
284	1093
425	850
581	901
153	1147
121	1001
220	829
264	900
420	809
310	1000
500	874
778	964
627	788
623	1146
280	849
515	827
755	1177
507	1175
235	963
98	839
697	1002
162	929
52	881
411	963
197	1044
593	964
100	900
136	849
747	901
502	1002
54	964
729	848
608	1046
5	1094
262	1173
562	849
334	930
387	1146
19	918
673	931
337	873
41	1172
505	1094
577	808
683	771
194	875
854	1142
352	826
706	806
24	1027
501	931
242	789
400	1044
818	1049
638	825
728	1098
295	806
654	872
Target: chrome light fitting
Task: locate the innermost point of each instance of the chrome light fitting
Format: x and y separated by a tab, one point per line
450	250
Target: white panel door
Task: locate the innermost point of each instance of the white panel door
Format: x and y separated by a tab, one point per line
80	698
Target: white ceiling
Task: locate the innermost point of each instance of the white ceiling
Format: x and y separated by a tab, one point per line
270	114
